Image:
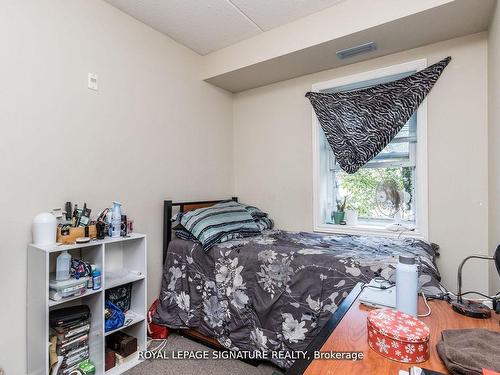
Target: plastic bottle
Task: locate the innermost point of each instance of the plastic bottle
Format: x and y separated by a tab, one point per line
62	266
116	221
407	285
96	279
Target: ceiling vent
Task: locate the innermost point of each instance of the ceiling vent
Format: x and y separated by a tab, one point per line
358	50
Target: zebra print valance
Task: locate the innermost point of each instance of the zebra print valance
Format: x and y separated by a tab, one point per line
359	124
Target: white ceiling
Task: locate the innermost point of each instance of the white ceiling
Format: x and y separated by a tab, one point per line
208	25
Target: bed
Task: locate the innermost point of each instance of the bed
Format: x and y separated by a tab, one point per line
273	291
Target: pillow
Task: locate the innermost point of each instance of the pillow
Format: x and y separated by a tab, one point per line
183	233
264	223
256	213
211	224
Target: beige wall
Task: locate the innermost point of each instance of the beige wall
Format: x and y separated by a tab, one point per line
273	151
494	141
153	126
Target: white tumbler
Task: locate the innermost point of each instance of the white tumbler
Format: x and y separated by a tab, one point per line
407	285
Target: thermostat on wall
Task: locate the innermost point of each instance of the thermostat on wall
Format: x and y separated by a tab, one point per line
92	81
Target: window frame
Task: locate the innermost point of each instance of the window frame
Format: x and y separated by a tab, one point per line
421	169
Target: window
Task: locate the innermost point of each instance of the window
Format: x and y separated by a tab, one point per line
400	167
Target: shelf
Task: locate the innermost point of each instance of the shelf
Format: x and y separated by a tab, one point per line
126	366
107	240
121	261
130	277
67	299
136	318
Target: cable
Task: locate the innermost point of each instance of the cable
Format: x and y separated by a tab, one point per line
429	311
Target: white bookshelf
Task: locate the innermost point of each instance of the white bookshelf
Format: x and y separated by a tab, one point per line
121	261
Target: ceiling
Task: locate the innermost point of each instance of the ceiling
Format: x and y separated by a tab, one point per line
209	25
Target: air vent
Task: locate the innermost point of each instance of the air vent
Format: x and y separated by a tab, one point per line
358	50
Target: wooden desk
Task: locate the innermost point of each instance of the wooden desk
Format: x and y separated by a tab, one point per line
351	335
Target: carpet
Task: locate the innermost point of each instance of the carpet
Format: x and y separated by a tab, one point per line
176	342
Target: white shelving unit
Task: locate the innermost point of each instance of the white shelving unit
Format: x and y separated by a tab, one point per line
121	261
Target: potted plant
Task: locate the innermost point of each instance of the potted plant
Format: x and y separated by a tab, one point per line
338	216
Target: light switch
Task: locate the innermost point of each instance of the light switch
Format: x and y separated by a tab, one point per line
92	81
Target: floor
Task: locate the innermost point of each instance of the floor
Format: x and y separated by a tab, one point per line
176	342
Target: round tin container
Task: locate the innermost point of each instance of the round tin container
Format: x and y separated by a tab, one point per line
398	336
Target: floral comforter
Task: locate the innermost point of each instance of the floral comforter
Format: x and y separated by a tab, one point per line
277	290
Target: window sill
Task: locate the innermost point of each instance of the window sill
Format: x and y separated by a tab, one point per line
366	230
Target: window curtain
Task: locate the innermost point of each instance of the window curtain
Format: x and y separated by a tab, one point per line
359	124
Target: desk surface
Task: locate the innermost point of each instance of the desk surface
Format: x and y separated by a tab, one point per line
351	335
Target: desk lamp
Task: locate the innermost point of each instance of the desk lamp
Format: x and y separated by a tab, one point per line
470	308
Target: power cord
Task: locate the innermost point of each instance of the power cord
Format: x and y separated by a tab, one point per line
383	281
429	311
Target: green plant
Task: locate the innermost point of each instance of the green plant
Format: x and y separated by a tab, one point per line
341	205
361	186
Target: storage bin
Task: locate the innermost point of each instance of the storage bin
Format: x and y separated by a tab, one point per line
398	336
67	288
74	233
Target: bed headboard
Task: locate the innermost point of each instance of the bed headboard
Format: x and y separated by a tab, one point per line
183	207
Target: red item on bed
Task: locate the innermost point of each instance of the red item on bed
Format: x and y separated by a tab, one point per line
156	331
398	336
490	372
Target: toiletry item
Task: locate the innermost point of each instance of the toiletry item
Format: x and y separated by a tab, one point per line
82	240
44	229
84	219
90	281
407	285
116	220
123	227
100	229
130	226
62	266
96	279
69	211
109	218
74	218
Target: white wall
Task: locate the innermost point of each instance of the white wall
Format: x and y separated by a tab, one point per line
273	151
494	141
155	130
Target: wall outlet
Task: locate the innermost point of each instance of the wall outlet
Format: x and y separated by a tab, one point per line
92	81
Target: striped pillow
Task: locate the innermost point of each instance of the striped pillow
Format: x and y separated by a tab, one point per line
256	213
264	223
209	225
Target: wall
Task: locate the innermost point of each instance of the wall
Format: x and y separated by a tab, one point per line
494	137
152	126
273	151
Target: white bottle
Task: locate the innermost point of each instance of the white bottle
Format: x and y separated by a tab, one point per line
62	266
407	285
116	220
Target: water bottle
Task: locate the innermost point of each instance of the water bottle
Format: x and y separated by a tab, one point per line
62	266
407	285
116	220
